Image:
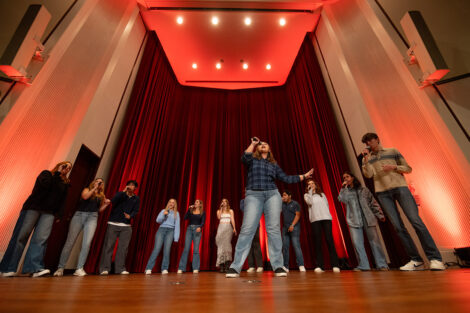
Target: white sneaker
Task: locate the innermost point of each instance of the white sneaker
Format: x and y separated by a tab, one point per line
79	272
148	272
336	269
9	274
437	265
41	273
124	273
179	272
285	269
164	272
59	272
195	271
302	268
250	270
104	273
413	266
318	270
259	270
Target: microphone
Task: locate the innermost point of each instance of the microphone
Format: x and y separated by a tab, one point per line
192	206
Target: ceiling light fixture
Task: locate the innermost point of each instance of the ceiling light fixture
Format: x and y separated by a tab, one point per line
282	21
194	66
247	21
245	66
215	20
218	66
268	66
179	20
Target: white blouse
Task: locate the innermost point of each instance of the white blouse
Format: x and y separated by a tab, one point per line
318	208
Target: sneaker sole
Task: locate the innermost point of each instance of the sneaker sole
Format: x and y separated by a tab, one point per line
280	274
232	275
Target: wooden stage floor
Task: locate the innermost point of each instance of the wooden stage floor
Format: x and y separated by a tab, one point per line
348	291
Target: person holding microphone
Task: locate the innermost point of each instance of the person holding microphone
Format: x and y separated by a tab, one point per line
169	231
125	207
362	214
262	197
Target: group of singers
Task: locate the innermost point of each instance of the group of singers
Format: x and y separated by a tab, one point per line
385	165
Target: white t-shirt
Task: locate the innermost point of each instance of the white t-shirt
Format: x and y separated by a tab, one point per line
318	208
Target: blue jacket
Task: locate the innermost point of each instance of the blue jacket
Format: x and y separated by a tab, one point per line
357	200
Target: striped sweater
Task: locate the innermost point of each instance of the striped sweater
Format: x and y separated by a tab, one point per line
386	180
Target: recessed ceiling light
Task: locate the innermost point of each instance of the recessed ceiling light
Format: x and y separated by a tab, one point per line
218	66
245	66
194	66
282	21
247	21
179	20
268	66
215	20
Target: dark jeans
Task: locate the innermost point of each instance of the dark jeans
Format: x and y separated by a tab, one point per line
407	202
255	257
113	232
295	237
11	245
319	227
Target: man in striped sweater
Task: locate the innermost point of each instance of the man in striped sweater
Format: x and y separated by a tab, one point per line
387	166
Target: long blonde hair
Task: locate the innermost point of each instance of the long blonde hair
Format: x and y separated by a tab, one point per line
270	158
175	207
56	169
99	193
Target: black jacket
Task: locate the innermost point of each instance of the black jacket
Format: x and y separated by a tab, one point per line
122	203
48	195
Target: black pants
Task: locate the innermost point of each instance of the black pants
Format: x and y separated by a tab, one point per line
317	228
113	232
255	252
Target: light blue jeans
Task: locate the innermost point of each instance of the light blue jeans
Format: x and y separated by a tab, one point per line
164	237
80	220
34	260
191	236
268	202
357	237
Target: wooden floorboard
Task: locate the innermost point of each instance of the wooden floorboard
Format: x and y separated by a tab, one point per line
348	291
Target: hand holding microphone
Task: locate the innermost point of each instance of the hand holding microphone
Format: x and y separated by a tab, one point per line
255	141
366	153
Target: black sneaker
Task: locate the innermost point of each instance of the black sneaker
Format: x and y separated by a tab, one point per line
231	273
280	272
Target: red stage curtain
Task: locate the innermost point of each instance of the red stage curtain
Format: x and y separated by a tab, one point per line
186	143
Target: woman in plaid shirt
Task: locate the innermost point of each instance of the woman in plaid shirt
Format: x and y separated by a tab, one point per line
262	196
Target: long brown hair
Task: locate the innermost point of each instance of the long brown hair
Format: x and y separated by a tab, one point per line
270	158
99	193
318	189
201	209
56	169
227	208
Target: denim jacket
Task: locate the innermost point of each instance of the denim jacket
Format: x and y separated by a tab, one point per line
360	199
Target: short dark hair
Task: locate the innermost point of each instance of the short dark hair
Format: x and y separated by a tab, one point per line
133	182
369	136
287	192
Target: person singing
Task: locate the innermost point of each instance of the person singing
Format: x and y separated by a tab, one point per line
262	196
85	218
169	231
223	239
196	217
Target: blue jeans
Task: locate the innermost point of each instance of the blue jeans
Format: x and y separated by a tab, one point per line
407	202
34	260
295	237
268	202
357	237
81	220
163	237
191	236
12	244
